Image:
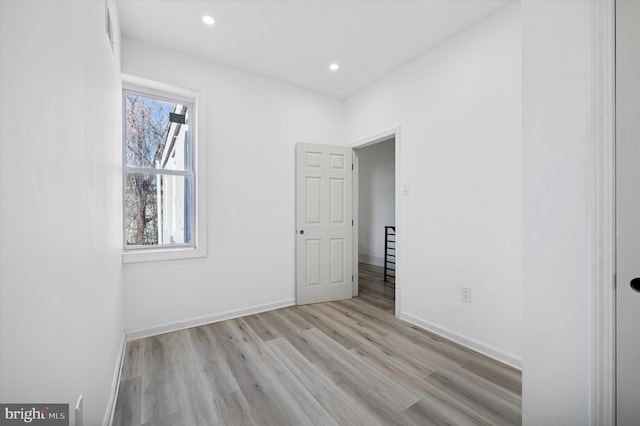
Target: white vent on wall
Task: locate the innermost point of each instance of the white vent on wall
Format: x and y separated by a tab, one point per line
79	411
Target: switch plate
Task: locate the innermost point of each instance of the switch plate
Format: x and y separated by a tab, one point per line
405	189
465	294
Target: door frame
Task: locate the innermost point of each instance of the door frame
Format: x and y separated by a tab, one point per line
623	283
393	132
602	215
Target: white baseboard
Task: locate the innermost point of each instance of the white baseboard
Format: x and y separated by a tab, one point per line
371	259
208	319
488	350
115	384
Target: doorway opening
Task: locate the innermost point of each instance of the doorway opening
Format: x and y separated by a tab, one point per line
375	209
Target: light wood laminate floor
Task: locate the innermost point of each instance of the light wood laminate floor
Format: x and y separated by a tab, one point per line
340	363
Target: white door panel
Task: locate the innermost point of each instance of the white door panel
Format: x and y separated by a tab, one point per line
324	240
628	211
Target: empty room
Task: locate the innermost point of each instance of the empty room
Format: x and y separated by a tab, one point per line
292	212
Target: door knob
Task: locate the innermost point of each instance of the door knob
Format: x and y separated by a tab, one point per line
302	232
635	284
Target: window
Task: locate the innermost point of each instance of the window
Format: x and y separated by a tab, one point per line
159	174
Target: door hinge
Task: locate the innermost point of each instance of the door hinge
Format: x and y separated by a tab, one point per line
351	222
351	278
352	166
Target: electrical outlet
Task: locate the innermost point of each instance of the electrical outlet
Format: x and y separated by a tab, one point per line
465	294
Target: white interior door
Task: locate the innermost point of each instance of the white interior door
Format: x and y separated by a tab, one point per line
628	211
324	235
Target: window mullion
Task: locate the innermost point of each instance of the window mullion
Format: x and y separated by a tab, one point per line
143	170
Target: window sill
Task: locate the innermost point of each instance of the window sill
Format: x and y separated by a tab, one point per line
156	255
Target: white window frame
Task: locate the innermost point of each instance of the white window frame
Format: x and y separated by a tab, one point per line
198	246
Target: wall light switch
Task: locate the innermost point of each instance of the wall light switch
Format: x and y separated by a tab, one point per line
465	294
405	189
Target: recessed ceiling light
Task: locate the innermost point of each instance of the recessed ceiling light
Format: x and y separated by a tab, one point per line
334	67
208	20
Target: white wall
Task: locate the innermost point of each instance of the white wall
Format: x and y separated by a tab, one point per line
253	126
376	199
60	222
60	267
458	107
558	211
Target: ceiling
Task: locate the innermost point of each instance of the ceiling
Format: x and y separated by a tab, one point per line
295	41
